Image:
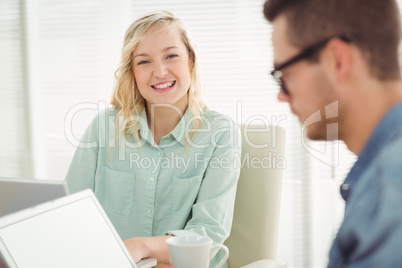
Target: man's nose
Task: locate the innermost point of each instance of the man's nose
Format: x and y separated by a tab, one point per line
282	96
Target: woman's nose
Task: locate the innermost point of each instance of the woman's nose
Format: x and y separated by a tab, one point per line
160	70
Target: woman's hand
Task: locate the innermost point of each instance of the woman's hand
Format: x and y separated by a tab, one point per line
137	248
148	247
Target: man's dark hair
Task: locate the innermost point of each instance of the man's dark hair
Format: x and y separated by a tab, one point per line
375	24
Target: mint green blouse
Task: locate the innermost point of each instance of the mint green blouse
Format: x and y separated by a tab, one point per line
176	187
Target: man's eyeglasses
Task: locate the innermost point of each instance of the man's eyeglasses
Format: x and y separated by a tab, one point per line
306	53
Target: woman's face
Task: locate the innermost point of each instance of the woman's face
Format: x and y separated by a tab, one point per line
161	68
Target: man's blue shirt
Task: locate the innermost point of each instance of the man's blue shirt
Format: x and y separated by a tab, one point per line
371	232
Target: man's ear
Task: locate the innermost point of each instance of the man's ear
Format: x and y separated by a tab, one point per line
337	59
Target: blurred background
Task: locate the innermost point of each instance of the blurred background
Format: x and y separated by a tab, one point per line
57	63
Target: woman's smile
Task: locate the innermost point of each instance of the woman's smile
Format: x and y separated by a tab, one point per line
164	86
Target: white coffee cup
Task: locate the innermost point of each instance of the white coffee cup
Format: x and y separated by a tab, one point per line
193	251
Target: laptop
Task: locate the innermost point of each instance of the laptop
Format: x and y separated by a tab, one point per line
72	231
17	194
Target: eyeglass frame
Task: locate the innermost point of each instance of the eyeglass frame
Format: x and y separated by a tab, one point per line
306	53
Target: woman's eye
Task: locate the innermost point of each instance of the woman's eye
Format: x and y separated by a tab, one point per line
142	62
171	56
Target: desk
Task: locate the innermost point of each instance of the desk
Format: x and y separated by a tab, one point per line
162	265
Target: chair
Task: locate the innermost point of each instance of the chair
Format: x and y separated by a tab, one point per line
253	237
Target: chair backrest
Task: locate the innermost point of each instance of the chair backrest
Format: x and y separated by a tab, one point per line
256	214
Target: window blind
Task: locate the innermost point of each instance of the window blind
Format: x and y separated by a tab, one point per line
15	129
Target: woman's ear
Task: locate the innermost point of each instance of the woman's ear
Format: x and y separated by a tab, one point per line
191	62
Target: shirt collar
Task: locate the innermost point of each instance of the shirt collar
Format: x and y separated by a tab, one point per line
385	129
179	133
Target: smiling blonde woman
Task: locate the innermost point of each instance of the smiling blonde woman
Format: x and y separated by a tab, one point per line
163	163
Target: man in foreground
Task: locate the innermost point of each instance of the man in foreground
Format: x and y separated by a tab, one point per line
341	57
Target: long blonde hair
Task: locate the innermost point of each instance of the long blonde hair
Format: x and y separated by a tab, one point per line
126	95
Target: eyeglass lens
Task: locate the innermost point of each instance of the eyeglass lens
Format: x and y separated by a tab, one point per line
278	78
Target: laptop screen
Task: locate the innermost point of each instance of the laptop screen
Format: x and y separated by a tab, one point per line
76	234
17	193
